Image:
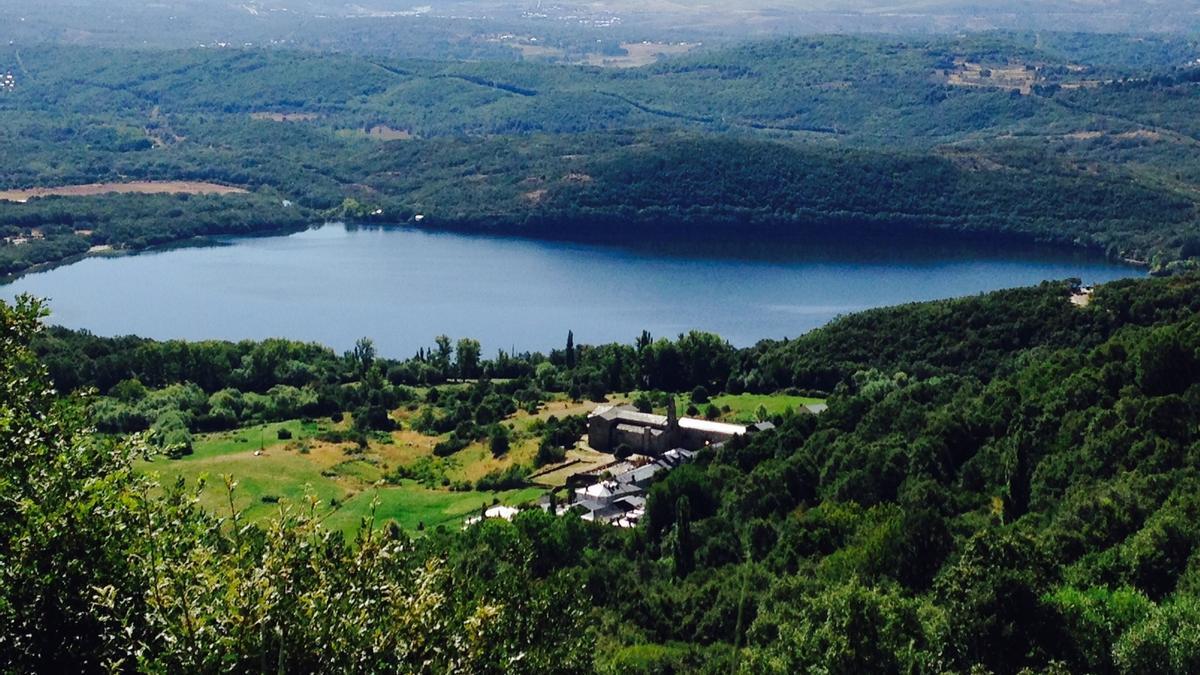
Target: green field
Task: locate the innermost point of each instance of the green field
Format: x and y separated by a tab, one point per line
344	480
270	472
412	506
250	438
743	407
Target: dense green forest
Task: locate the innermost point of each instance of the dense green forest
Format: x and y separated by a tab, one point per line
1083	140
204	386
999	483
69	226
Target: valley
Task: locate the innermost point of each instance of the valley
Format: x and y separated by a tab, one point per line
621	337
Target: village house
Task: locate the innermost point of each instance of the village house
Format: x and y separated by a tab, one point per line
615	493
610	427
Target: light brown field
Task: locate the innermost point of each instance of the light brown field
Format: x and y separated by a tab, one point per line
1082	84
407	447
284	117
563	407
1010	76
640	54
1148	135
137	187
476	460
578	460
531	51
1141	134
534	196
383	132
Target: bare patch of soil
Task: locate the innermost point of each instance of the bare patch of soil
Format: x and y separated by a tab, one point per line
284	117
385	133
150	187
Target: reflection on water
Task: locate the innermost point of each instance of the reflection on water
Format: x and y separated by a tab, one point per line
402	287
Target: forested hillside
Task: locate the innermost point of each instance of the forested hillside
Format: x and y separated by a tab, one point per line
999	483
895	90
969	336
1084	140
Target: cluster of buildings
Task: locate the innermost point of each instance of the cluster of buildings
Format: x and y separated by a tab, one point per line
8	82
614	493
1081	296
618	496
644	445
22	239
650	445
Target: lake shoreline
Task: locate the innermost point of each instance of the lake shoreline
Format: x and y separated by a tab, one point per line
402	286
198	241
620	233
606	227
620	236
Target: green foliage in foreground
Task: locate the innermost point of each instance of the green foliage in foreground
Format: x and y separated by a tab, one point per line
96	572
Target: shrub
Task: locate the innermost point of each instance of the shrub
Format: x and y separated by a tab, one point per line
643	403
549	454
450	445
507	479
499	441
171	434
597	391
332	436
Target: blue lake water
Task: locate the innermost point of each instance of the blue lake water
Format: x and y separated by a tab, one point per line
402	287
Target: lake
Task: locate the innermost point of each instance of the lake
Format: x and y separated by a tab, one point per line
401	286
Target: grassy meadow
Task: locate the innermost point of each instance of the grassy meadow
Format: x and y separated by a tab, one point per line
345	480
743	408
279	464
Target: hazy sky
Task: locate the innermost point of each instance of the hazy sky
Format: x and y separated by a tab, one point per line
365	23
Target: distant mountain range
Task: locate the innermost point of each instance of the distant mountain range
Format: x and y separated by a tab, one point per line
473	28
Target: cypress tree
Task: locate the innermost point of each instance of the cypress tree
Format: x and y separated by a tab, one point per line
684	553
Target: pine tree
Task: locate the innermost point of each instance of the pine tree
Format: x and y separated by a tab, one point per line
684	553
570	349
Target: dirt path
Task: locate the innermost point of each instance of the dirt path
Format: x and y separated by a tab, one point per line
138	187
